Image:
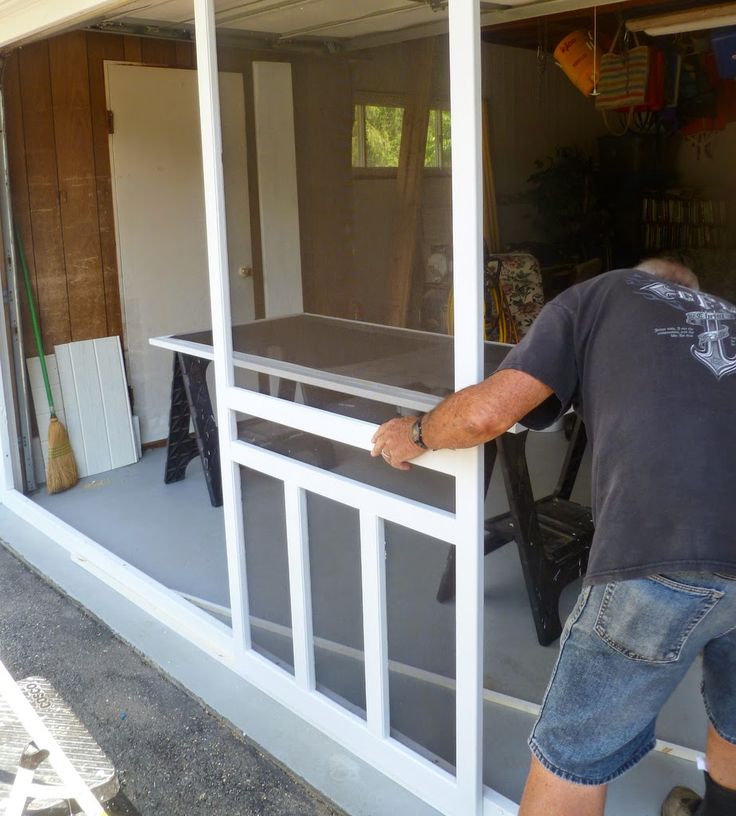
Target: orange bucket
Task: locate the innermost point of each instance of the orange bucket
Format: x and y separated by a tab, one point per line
574	55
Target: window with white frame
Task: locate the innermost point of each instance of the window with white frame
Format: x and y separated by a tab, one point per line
377	132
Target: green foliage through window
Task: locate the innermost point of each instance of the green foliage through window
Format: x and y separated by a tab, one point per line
377	137
438	152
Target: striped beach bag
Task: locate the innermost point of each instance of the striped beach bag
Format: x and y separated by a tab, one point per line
624	77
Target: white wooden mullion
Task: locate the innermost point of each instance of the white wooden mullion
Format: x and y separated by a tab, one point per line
214	195
375	629
409	513
297	540
359	113
467	211
346	430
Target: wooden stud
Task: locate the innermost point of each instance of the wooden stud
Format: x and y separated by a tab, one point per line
77	185
409	181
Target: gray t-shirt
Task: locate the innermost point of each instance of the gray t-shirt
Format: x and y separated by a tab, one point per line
651	368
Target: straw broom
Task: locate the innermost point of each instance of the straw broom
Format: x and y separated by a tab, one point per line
61	467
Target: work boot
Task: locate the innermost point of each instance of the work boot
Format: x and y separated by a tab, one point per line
681	802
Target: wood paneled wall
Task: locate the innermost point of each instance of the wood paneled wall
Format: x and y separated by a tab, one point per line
62	192
60	176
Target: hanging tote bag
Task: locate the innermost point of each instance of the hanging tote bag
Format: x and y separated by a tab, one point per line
624	76
576	56
624	79
644	115
657	82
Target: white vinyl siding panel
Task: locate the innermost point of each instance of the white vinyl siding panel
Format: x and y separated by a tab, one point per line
96	404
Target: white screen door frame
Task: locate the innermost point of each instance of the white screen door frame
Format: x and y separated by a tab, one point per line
462	793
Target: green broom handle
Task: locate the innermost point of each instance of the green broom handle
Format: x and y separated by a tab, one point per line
34	320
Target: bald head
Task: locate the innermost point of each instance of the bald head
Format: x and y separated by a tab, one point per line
670	270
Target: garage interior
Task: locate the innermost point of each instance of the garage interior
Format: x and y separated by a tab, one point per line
109	219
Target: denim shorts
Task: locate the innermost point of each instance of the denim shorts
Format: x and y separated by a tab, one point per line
624	649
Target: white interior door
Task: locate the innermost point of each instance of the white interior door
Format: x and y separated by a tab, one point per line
158	196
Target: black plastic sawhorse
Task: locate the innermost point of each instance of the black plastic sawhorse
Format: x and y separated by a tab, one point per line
553	534
190	402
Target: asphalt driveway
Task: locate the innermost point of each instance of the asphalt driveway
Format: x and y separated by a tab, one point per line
173	756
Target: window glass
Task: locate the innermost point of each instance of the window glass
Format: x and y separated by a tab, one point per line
377	137
382	135
446	139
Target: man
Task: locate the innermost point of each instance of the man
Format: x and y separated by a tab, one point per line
673	266
650	364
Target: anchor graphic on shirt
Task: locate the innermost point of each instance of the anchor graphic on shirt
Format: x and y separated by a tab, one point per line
709	349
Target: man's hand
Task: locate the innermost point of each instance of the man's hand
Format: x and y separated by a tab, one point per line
393	442
466	418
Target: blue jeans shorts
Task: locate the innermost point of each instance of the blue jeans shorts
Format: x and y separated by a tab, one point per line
624	649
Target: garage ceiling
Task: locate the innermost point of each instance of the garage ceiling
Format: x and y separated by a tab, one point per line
362	22
331	20
290	19
350	23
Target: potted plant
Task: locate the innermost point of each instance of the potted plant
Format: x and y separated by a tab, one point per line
568	212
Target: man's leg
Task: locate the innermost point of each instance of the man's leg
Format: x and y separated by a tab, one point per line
720	784
546	794
719	692
618	665
721	756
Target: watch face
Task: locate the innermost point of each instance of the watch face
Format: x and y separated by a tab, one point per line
416	434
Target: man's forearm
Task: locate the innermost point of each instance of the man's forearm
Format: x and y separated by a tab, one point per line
467	418
453	423
482	412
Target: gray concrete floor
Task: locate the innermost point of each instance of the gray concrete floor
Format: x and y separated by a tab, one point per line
172	534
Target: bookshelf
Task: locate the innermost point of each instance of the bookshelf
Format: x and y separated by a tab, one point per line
677	221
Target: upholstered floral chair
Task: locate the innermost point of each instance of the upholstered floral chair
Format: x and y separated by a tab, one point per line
513	295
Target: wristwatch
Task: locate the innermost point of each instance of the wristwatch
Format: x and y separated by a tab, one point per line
416	433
